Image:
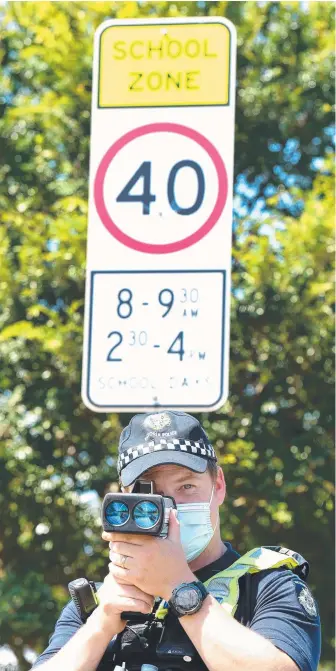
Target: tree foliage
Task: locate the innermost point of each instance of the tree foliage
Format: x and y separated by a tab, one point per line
274	435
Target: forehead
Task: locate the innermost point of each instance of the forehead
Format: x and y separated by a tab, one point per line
171	471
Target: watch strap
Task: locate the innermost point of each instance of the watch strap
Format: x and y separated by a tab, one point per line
202	588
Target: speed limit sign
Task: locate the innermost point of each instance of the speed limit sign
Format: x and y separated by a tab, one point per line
160	216
203	160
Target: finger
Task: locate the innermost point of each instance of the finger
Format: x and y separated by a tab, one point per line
123	548
136	605
174	527
118	560
121	575
130	591
127	588
112	536
136	593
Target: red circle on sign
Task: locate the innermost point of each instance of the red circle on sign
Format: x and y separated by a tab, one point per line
167	248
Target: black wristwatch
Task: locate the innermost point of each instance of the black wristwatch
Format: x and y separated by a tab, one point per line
187	598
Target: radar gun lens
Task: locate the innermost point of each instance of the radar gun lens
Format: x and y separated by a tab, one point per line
117	513
146	514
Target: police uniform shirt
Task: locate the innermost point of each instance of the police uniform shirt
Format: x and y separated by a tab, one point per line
275	603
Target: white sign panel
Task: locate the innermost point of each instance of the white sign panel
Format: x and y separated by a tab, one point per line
160	216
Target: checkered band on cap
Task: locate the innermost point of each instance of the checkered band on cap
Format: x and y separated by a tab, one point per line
190	446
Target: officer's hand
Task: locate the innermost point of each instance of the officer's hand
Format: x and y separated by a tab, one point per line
115	598
154	565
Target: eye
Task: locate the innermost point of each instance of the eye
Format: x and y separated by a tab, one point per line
188	486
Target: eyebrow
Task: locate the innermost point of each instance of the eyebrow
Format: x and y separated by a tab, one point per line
180	478
187	476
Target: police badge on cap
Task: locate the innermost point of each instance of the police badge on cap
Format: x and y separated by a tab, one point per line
157	422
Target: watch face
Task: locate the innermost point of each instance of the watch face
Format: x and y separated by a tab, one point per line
187	598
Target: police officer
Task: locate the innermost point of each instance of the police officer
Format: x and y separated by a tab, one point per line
217	610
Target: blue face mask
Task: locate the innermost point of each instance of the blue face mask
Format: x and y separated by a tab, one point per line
195	527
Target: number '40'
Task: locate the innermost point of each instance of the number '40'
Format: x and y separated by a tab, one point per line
146	197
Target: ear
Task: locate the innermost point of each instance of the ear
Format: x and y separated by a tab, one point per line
220	486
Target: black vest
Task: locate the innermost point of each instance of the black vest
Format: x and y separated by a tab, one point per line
165	643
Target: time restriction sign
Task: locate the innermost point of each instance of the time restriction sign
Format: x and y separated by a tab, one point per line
160	212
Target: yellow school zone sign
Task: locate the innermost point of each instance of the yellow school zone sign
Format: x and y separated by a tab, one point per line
164	65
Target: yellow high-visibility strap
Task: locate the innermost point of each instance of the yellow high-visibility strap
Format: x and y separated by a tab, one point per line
224	586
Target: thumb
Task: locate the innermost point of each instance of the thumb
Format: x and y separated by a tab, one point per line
173	526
